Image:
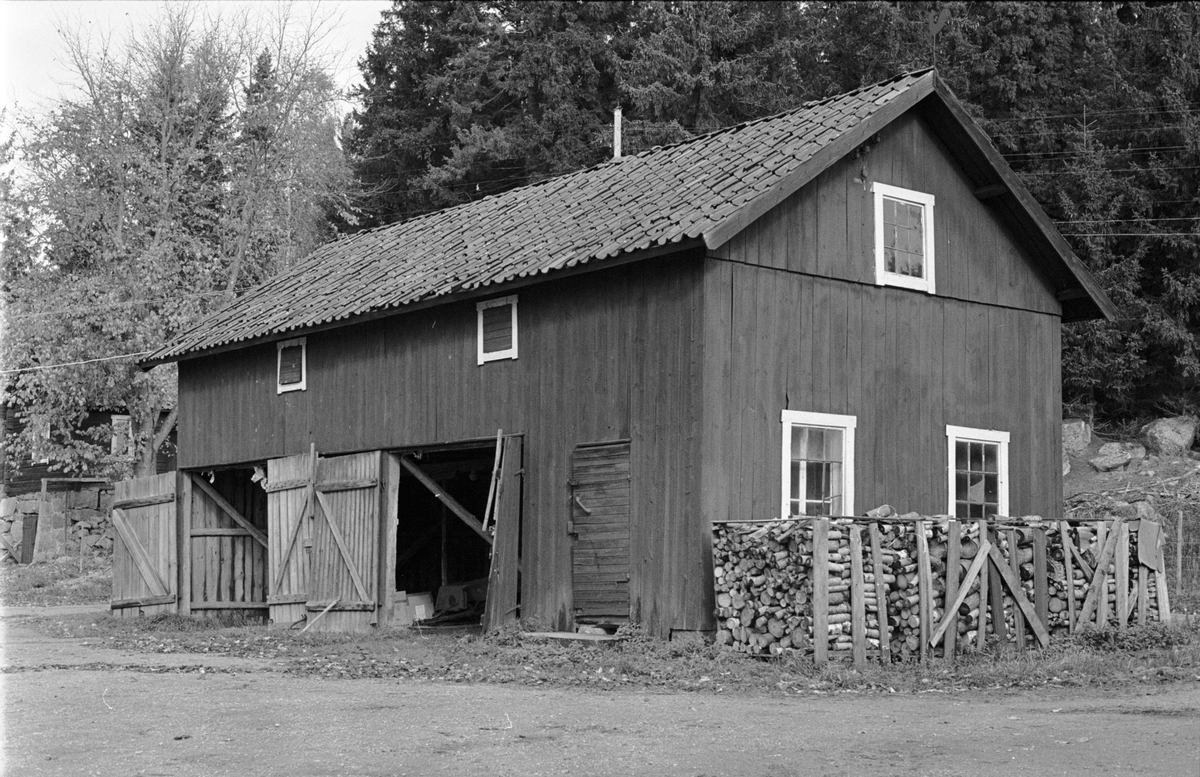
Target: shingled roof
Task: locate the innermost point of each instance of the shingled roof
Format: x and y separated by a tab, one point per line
707	188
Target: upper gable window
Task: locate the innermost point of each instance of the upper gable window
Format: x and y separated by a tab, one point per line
903	238
497	329
292	370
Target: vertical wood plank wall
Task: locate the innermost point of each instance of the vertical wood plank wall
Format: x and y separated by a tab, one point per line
692	358
612	355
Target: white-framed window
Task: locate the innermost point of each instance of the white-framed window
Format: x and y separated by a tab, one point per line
497	323
978	472
291	365
903	238
818	463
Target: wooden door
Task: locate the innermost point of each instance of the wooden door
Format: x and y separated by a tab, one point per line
344	575
289	535
226	550
600	487
503	595
144	546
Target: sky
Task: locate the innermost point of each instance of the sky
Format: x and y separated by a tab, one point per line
32	69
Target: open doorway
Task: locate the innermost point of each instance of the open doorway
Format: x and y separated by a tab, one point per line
443	549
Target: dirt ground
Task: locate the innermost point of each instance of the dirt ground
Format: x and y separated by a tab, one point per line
72	709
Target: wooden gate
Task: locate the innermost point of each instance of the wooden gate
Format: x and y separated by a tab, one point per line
144	542
599	524
344	573
225	556
290	499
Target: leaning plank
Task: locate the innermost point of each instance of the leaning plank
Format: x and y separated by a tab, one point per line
228	509
336	532
138	554
487	510
1122	574
327	609
924	588
1041	588
1014	588
981	621
144	501
953	570
1069	569
1096	591
444	498
1014	562
963	588
1102	574
858	614
821	591
145	601
1160	584
877	568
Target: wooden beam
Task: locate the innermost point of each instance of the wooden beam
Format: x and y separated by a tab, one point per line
146	601
229	510
820	580
445	498
1099	586
991	190
858	612
144	501
487	511
878	569
1069	571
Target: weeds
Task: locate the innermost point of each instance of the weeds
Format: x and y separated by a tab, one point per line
1153	654
56	582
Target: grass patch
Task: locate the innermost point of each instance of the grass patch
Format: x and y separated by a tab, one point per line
1153	654
56	582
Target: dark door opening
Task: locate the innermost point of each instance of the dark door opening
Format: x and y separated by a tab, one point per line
440	559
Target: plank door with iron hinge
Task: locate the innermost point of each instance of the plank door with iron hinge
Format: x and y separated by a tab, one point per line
343	585
600	504
290	501
144	546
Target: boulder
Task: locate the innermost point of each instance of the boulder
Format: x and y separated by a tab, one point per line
1109	463
1170	436
8	506
1076	435
1136	452
1066	462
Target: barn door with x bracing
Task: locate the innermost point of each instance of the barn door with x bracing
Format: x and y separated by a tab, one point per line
344	570
144	548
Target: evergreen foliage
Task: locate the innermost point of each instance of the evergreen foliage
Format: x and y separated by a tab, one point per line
1094	104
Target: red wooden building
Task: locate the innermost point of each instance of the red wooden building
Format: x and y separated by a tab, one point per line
851	303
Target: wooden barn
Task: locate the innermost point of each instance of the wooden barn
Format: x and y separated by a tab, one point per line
851	303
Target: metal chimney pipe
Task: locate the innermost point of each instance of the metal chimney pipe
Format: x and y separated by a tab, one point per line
617	132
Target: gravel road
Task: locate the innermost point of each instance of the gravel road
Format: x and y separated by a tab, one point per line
71	709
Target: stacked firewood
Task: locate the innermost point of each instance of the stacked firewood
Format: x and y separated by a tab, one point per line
764	586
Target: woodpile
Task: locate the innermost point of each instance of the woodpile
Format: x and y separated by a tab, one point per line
782	584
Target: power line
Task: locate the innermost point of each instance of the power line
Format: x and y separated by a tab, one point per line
75	364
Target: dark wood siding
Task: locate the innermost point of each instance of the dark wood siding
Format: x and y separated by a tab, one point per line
904	363
827	228
615	354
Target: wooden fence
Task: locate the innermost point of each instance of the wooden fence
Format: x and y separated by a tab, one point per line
895	587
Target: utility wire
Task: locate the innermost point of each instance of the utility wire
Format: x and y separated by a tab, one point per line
74	364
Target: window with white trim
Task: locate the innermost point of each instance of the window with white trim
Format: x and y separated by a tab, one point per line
292	365
978	464
818	463
903	238
497	324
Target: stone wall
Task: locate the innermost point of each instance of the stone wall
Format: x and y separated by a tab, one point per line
85	510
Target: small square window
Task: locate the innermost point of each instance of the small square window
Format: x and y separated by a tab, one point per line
818	463
121	442
497	323
903	238
978	463
292	373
